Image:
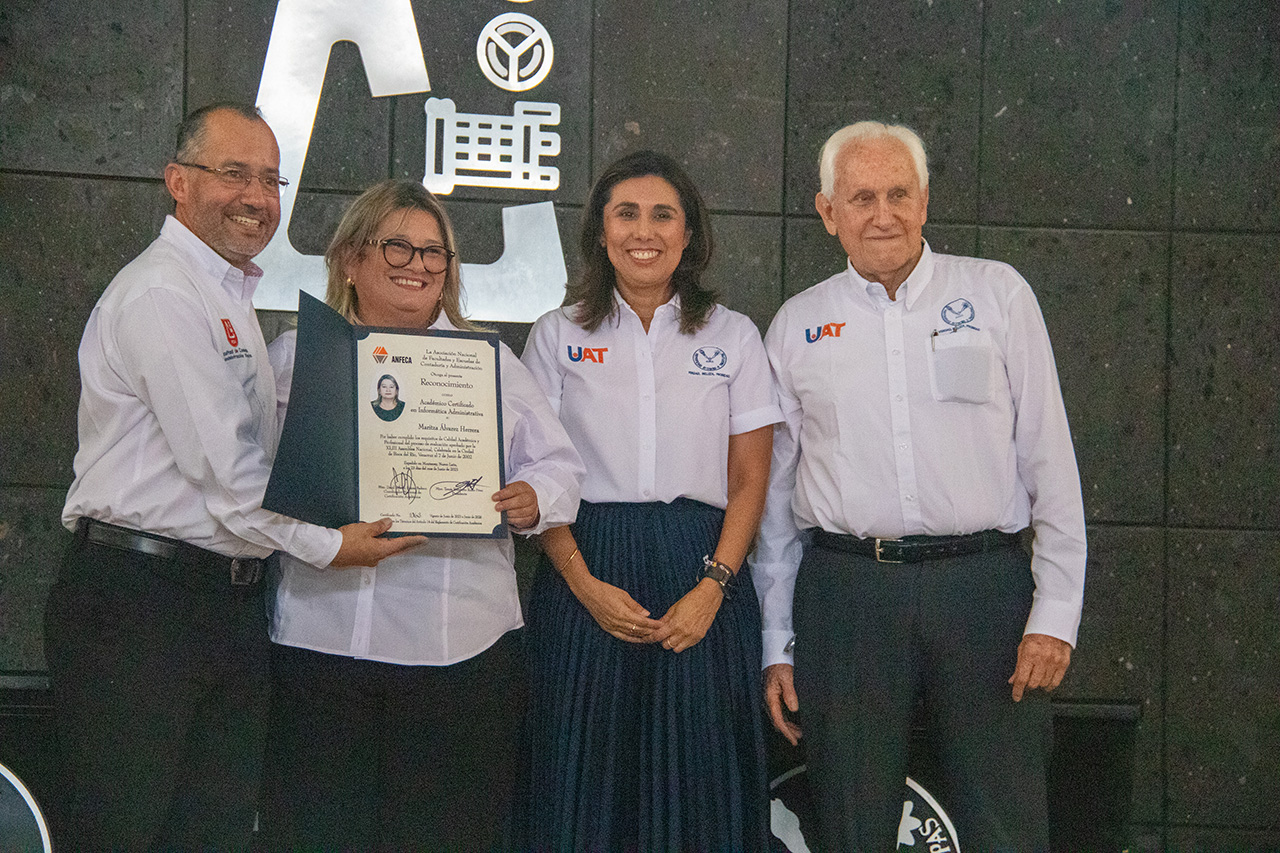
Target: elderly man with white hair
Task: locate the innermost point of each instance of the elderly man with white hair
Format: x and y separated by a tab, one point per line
924	430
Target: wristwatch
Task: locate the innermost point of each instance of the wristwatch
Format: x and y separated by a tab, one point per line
718	572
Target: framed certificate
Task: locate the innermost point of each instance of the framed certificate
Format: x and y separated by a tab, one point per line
398	423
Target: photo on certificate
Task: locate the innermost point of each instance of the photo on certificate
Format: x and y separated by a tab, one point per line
391	423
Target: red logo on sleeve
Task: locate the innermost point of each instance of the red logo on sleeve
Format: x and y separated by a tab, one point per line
231	332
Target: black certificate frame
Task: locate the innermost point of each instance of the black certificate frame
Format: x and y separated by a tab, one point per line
316	473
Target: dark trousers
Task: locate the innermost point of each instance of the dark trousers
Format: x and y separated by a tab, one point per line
872	639
160	692
367	755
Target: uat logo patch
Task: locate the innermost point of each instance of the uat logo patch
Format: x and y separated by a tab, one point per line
826	330
232	337
595	354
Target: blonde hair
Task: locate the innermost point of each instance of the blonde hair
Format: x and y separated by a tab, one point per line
359	225
867	131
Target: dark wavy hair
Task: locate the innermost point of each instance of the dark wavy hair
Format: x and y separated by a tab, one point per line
592	291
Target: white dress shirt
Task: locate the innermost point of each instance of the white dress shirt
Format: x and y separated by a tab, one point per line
652	413
938	413
177	413
447	600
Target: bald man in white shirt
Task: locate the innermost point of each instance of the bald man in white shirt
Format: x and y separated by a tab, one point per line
155	631
924	429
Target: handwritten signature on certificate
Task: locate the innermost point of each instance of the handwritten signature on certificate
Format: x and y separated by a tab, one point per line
452	488
402	485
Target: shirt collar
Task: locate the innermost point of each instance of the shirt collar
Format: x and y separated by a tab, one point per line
239	283
909	291
671	306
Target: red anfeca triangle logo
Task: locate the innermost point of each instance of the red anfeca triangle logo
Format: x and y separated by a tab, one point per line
379	353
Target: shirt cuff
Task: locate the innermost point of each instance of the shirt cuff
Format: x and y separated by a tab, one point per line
1060	619
550	513
316	545
775	643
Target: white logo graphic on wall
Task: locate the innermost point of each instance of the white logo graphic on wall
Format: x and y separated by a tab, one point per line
924	825
462	149
515	52
490	151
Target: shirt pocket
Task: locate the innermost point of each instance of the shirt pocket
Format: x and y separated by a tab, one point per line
961	366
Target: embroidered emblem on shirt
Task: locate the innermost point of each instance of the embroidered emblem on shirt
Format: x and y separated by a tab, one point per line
595	354
827	330
958	314
232	338
709	359
379	354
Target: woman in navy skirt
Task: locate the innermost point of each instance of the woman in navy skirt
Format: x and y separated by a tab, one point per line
643	625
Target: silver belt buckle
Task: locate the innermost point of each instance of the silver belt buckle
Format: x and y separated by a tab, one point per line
879	552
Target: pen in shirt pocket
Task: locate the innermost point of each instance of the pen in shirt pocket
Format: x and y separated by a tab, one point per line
933	338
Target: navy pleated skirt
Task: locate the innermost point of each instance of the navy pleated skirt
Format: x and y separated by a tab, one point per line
635	748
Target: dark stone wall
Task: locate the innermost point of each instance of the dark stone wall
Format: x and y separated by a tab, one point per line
1124	156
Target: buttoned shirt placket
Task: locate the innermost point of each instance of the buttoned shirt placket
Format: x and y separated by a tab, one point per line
645	345
892	313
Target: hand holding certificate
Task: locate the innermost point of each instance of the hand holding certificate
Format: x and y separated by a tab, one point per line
402	424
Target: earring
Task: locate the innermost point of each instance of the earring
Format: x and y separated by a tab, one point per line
350	283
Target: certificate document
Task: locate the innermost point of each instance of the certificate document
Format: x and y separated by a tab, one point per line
391	423
431	462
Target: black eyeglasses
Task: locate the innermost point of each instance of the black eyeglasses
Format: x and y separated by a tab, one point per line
239	178
399	253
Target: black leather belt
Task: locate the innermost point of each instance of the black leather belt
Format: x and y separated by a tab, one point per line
915	549
212	568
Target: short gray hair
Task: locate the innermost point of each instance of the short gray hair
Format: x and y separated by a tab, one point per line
868	131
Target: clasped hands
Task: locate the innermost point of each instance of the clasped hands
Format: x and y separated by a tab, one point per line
683	625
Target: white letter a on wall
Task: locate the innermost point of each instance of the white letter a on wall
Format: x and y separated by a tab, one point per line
302	36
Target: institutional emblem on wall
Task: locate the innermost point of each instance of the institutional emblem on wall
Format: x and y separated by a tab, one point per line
924	827
515	52
464	147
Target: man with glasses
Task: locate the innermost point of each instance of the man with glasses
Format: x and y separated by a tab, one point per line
155	632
